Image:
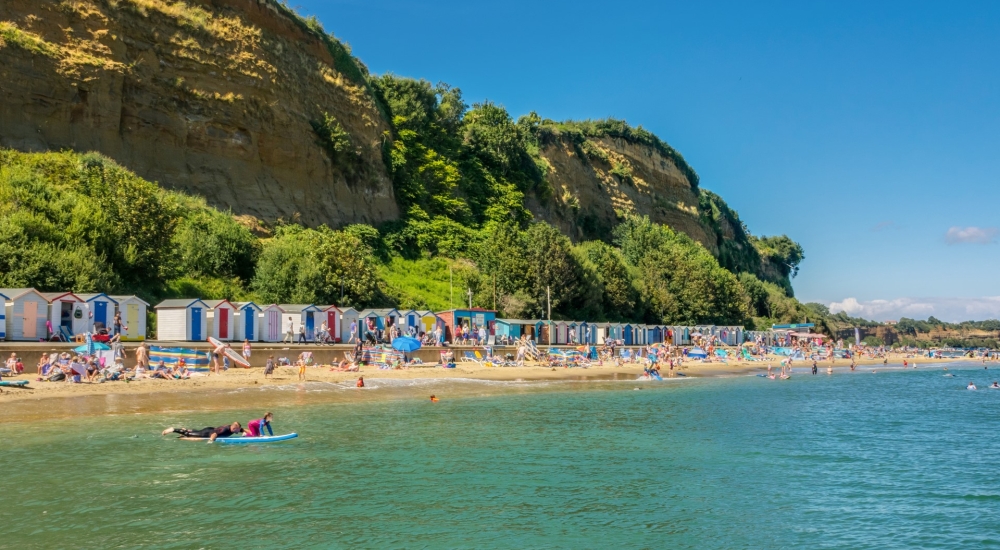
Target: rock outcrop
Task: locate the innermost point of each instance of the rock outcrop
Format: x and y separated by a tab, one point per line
219	98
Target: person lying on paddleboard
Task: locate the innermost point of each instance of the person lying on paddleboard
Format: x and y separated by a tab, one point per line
209	432
255	428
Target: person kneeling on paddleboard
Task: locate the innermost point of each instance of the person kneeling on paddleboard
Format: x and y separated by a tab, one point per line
255	428
210	433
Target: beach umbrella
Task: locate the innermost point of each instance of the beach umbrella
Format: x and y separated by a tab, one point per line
405	344
96	346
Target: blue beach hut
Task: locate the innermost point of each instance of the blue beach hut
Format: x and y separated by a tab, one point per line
181	320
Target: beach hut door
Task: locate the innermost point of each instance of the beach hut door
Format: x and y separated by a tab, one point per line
101	312
30	319
248	332
273	325
132	317
196	324
310	326
223	315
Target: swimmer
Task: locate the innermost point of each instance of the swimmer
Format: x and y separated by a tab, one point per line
210	432
434	399
995	385
361	382
971	386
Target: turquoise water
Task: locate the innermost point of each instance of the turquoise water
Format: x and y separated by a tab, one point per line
853	460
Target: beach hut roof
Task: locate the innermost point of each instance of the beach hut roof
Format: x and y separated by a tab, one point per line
124	298
244	305
89	297
53	296
262	308
348	310
381	312
328	307
179	303
297	308
216	303
15	293
426	312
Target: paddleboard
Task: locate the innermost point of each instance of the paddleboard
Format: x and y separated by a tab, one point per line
13	382
229	352
656	376
237	440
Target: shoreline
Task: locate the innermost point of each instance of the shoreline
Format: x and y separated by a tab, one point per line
253	378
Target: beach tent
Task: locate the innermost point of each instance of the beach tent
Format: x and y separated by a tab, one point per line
3	317
67	312
475	318
183	319
331	315
100	309
299	315
133	312
347	317
247	322
270	323
221	314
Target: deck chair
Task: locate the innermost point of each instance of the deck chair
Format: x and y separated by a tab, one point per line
469	357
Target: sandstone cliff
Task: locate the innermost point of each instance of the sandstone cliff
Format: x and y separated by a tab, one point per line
216	98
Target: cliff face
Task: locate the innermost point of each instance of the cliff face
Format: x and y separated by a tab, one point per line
596	182
216	98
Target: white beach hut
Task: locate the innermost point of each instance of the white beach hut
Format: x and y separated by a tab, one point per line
67	311
299	315
133	311
182	320
220	316
348	316
270	324
26	314
100	310
247	321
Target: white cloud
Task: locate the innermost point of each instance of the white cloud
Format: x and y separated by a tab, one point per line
947	309
971	235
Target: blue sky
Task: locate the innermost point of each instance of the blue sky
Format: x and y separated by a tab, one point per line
867	131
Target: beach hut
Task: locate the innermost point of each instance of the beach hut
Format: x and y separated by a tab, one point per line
429	322
133	311
382	319
220	317
299	315
246	322
100	310
348	316
67	312
561	332
331	316
545	332
183	319
270	323
508	328
475	317
26	313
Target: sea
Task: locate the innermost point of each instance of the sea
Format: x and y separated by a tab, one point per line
866	459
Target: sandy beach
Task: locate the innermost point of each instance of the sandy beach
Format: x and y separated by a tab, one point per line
237	378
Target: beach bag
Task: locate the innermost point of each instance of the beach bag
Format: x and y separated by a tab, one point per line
58	377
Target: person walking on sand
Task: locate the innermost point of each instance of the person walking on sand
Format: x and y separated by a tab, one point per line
269	367
246	350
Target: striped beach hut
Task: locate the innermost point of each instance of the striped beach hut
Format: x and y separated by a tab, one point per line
247	321
133	311
26	312
182	319
100	310
220	318
270	323
67	312
349	316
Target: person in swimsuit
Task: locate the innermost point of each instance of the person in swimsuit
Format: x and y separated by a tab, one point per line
269	366
361	382
210	433
434	399
255	428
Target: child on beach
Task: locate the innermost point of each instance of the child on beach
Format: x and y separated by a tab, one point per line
269	367
361	382
246	350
